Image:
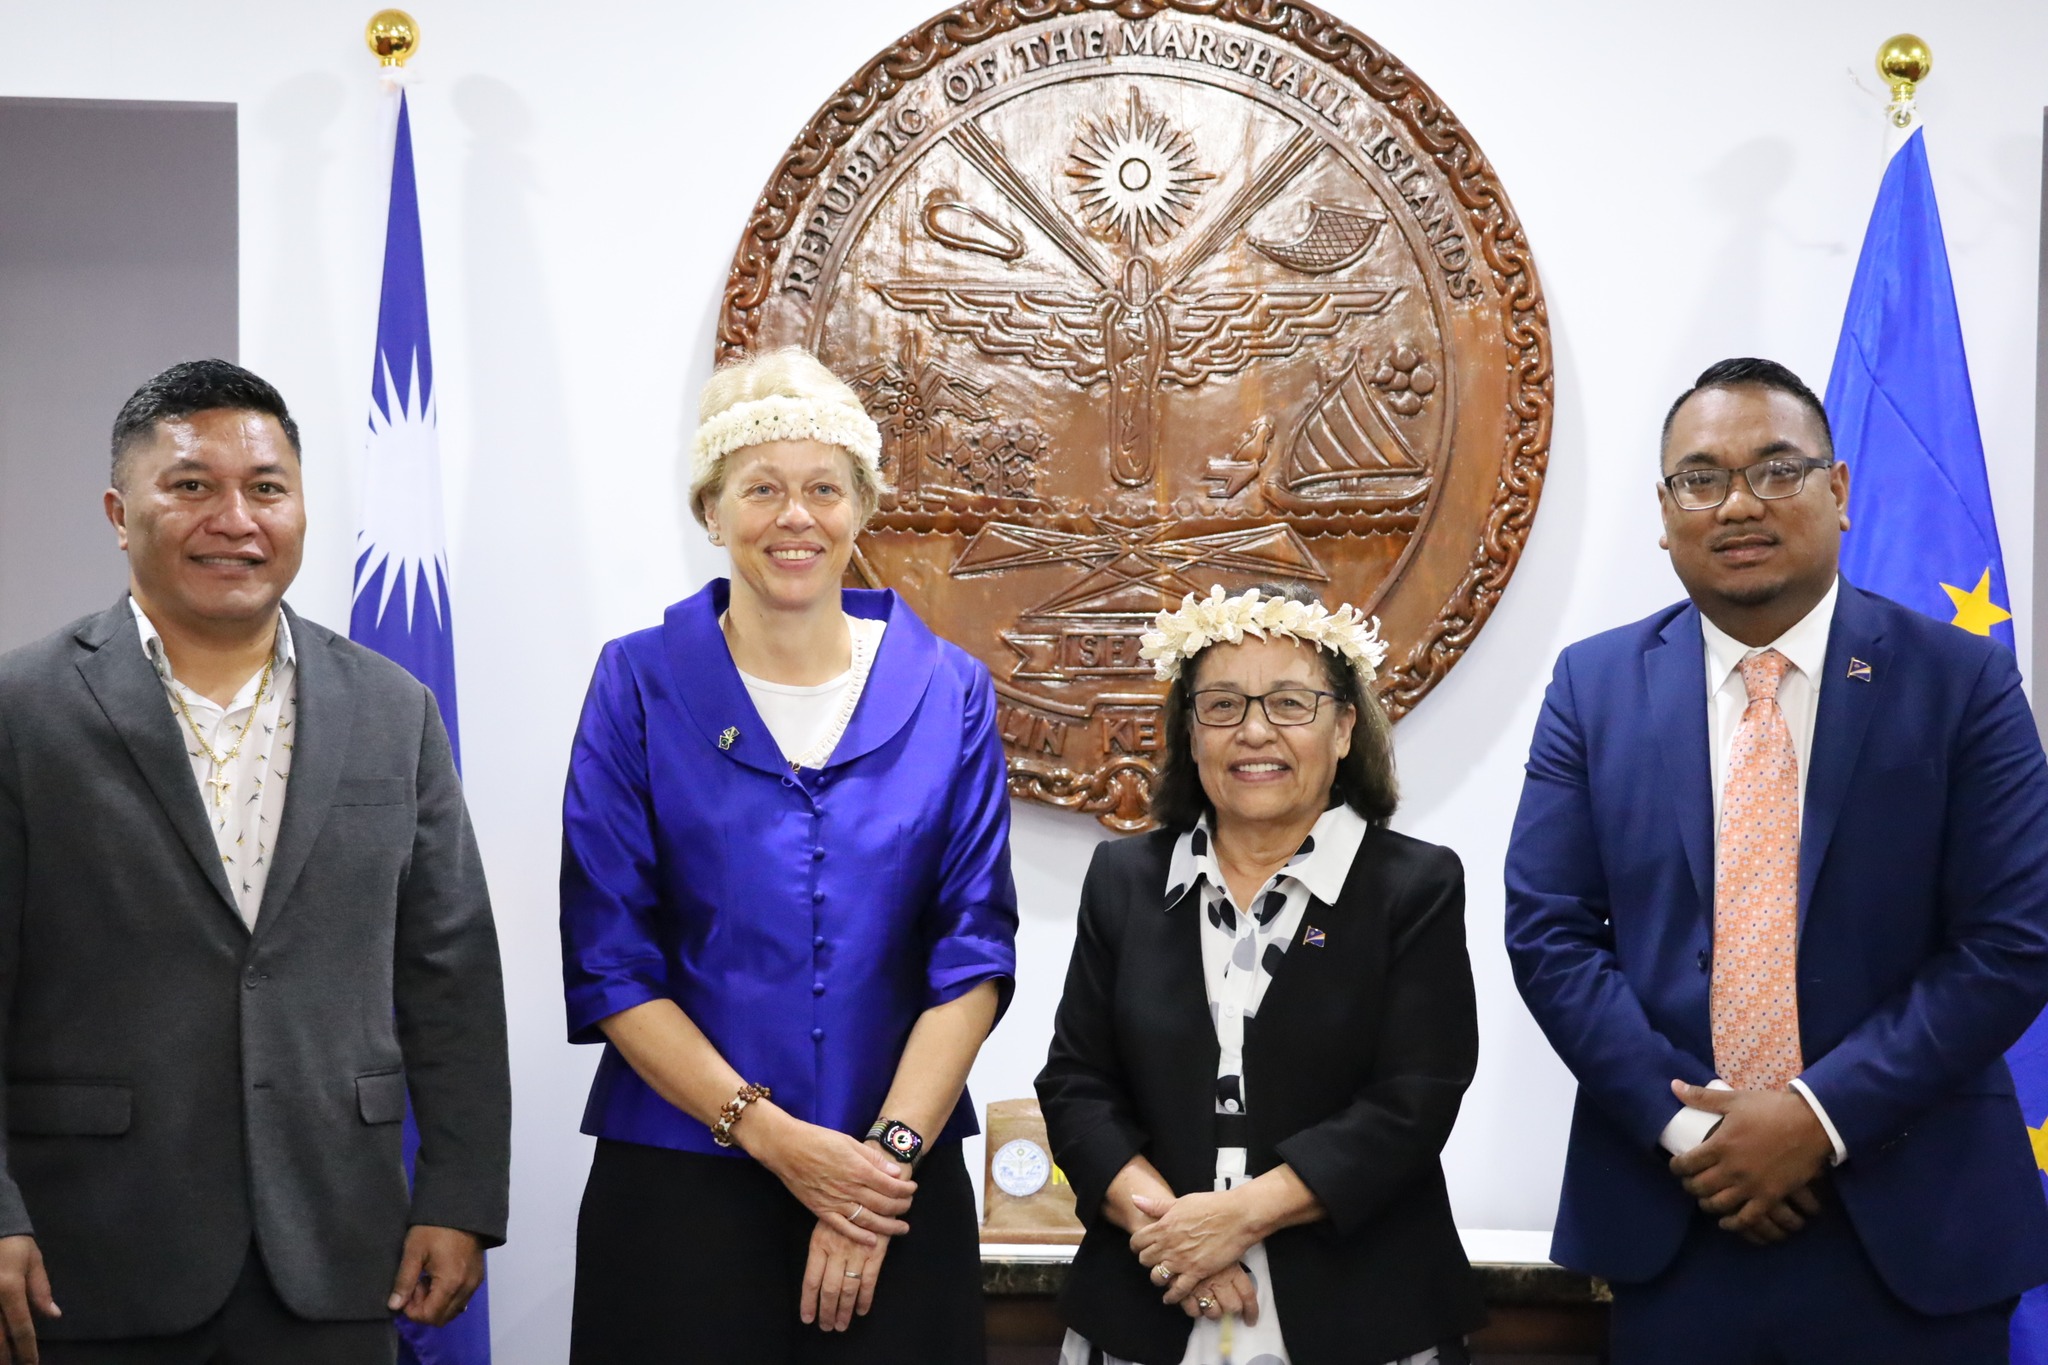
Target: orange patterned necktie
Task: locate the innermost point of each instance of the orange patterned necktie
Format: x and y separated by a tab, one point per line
1754	1003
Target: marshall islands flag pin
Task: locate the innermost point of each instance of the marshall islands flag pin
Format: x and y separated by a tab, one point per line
1312	936
1859	670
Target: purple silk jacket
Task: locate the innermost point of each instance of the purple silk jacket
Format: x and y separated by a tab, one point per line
803	923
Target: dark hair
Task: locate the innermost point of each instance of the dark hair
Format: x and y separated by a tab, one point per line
1748	372
194	386
1364	779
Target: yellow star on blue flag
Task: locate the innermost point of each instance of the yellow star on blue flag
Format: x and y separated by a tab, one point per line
1975	611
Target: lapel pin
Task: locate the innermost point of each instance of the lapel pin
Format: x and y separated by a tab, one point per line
1312	936
1859	670
732	732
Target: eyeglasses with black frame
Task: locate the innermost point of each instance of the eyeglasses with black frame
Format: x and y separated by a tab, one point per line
1705	487
1224	709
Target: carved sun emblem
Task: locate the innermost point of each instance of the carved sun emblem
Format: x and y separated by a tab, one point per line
1135	175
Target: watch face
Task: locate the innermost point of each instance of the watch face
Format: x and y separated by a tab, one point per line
901	1140
1021	1168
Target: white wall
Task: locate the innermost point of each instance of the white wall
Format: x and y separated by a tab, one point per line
1695	185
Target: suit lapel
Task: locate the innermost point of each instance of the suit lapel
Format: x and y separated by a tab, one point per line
130	694
1301	968
1675	674
708	683
1181	977
1843	716
326	715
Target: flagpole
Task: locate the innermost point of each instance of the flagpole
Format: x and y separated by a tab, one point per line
402	607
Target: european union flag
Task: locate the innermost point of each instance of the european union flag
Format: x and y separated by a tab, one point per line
1921	529
401	607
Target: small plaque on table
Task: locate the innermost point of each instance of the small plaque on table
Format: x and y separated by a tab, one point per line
1025	1198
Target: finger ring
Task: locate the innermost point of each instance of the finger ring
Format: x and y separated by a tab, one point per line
854	1217
852	1274
1164	1272
1205	1303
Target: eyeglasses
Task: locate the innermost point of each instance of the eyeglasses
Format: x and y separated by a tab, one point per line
1706	487
1282	706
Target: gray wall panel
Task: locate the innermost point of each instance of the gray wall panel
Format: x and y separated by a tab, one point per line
2039	672
117	257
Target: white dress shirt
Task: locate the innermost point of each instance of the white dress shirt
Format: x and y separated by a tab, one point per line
246	810
1805	647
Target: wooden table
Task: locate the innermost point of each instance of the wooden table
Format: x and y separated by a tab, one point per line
1540	1310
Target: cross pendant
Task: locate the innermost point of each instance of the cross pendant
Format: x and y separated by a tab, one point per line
219	783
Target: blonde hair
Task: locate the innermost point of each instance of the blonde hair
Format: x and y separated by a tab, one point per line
781	395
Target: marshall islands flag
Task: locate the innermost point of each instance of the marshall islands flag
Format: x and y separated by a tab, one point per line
1922	530
401	606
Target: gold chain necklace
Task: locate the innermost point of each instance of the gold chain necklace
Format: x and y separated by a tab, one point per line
219	780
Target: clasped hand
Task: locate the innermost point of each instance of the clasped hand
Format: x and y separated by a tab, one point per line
858	1193
855	1190
1201	1238
1755	1170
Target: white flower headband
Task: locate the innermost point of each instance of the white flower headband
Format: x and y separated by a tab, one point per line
784	417
1177	636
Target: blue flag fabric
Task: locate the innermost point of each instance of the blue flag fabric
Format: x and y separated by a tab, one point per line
1921	529
2029	1062
401	606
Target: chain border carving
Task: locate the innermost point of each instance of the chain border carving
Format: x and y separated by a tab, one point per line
1116	794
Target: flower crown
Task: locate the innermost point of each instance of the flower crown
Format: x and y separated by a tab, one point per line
1177	636
784	417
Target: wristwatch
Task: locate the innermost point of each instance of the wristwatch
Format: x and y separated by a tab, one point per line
899	1140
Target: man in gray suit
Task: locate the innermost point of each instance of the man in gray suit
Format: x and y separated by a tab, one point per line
241	918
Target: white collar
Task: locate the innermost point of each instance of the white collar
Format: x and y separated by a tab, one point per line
282	652
1805	645
1322	864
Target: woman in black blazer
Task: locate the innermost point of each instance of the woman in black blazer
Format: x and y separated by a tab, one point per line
1268	1025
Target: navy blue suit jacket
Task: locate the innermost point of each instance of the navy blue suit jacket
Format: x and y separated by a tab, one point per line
1923	943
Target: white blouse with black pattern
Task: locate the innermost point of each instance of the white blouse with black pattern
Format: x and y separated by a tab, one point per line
1241	951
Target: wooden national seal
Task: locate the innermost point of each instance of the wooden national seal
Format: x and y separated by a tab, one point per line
1147	296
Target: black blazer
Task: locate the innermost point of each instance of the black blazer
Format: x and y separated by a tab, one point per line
176	1084
1356	1063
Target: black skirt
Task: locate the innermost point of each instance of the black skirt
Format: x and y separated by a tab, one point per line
683	1257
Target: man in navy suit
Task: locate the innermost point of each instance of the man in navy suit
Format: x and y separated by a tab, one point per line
1778	895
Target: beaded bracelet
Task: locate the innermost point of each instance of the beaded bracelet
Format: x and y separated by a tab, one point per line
721	1131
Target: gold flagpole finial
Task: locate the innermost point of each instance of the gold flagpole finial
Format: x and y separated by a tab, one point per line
393	36
1904	62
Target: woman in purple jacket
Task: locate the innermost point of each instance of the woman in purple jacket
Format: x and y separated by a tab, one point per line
787	912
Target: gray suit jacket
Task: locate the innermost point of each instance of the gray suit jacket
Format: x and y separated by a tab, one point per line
175	1084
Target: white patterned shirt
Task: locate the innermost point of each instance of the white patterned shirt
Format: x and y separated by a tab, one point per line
246	810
